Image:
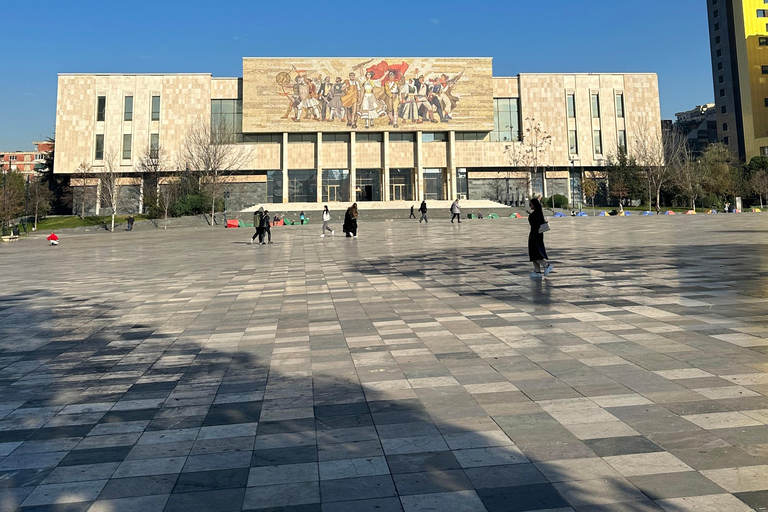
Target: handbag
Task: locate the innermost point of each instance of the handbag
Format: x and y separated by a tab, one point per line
544	227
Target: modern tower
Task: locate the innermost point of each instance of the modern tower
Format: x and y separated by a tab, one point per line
738	33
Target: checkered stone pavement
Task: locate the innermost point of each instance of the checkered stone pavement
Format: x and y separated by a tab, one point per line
415	368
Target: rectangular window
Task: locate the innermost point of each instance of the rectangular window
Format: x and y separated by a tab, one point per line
13	158
724	110
595	106
725	127
764	70
623	140
128	110
719	66
717	26
434	137
505	120
227	119
764	150
155	108
471	136
722	93
101	108
762	13
99	147
597	141
335	137
263	138
762	41
369	137
717	39
620	105
719	52
402	137
154	145
721	79
570	102
126	146
726	141
716	14
573	143
302	137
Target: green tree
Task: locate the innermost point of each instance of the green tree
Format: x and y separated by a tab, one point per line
625	177
11	197
58	184
759	183
590	188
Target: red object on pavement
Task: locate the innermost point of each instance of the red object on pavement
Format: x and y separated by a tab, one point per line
52	237
232	223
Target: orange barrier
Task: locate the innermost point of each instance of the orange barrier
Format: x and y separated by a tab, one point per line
232	223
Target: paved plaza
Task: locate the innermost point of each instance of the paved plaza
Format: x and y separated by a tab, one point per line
415	368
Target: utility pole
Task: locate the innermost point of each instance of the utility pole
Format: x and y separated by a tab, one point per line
26	204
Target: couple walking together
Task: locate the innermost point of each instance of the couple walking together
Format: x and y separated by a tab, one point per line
350	221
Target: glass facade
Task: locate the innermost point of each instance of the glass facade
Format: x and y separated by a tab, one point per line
335	185
154	145
274	186
401	184
506	120
434	184
302	186
227	116
623	139
99	147
368	186
597	141
573	143
462	187
571	106
595	105
619	105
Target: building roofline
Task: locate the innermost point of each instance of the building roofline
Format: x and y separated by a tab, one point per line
592	74
135	74
368	57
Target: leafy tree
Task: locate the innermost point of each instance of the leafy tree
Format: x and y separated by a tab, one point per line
590	188
11	197
40	197
58	184
759	183
625	177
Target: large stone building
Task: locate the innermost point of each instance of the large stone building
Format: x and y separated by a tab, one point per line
738	32
317	130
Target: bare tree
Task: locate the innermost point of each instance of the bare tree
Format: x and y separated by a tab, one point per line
41	197
661	154
83	171
167	191
152	163
759	183
536	142
517	157
210	149
110	185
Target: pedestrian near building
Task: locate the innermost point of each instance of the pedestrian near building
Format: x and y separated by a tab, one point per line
350	221
423	210
536	250
131	220
413	215
265	228
301	218
257	216
456	211
326	220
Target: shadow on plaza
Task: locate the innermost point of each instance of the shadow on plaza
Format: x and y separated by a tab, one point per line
378	446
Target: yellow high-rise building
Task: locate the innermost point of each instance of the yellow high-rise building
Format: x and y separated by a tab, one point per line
739	43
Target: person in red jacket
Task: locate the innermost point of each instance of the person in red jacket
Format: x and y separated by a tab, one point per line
53	239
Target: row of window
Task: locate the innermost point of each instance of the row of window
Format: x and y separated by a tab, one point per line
597	141
101	108
154	146
570	104
272	138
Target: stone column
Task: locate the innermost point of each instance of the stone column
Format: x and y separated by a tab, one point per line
452	185
419	170
284	165
352	169
319	166
385	167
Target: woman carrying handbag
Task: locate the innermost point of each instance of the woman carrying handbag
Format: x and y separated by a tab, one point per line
536	250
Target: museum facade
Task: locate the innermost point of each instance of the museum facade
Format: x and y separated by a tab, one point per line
311	130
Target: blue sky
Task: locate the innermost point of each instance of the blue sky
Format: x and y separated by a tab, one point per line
668	37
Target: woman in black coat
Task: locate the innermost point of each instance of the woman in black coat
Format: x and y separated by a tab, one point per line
350	221
536	250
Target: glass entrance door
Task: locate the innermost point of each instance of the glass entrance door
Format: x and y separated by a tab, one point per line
334	193
399	192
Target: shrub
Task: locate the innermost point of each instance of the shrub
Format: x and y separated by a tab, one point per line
556	201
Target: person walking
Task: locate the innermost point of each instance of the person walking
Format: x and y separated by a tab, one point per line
131	220
350	221
423	210
257	216
536	250
326	220
413	215
302	217
456	211
265	228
